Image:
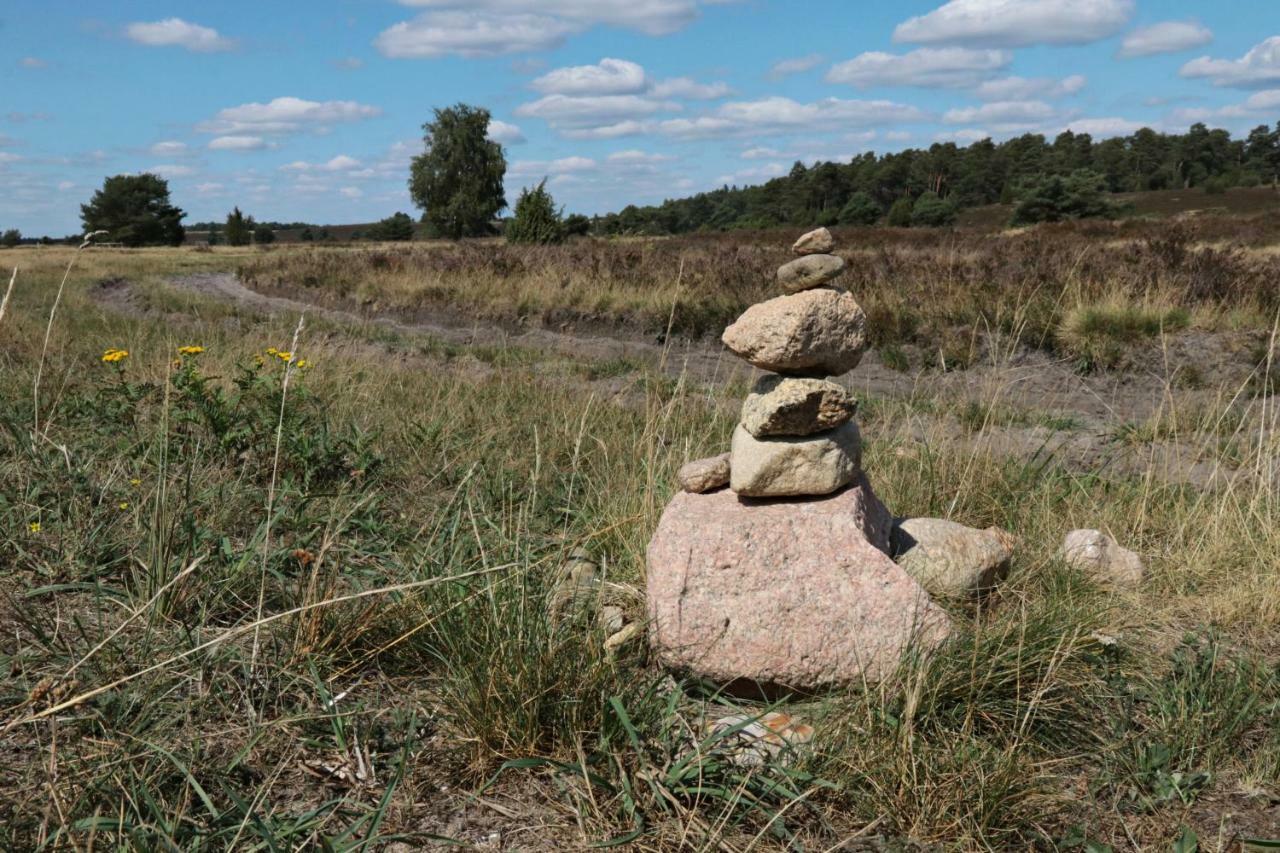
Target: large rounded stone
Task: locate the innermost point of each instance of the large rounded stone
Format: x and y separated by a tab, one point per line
809	271
783	594
814	242
819	332
788	466
786	405
951	560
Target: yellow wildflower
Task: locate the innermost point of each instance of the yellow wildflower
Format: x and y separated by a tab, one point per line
34	527
303	364
113	355
135	482
272	351
284	355
124	504
191	350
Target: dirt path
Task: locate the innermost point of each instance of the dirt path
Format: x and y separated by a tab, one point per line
1076	418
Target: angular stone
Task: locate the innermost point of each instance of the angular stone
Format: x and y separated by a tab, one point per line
796	594
819	332
951	560
814	242
790	466
1099	556
809	271
784	405
704	475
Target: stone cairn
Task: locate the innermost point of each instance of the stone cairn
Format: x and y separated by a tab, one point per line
783	580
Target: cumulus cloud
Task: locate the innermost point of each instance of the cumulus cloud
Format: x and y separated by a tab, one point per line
565	165
607	77
507	134
175	32
754	173
171	170
689	89
1102	128
1003	115
209	188
351	192
1164	37
168	148
493	27
286	115
596	112
1267	101
237	143
1016	23
776	115
930	67
796	65
340	163
760	152
636	157
1257	69
1029	88
964	135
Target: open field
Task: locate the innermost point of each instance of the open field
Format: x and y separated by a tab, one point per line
244	614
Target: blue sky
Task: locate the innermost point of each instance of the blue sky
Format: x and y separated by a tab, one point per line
312	111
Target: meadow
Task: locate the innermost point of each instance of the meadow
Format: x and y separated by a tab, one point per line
282	582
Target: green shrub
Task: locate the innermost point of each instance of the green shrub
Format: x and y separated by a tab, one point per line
1081	195
860	209
536	219
932	211
900	214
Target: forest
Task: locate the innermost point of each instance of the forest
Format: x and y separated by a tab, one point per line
951	177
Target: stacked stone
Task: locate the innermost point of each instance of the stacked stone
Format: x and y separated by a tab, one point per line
796	436
783	580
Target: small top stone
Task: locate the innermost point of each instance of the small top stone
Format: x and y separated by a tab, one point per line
705	475
815	242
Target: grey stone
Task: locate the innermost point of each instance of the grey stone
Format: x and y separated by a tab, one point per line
809	271
788	466
1102	558
949	559
785	405
819	332
704	475
814	242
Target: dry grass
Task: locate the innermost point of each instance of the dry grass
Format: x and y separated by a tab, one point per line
419	514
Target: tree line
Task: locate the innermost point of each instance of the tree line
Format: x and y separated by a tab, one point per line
927	186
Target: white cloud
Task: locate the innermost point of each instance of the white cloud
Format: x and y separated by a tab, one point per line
652	17
63	186
563	166
507	134
286	115
1003	115
34	63
760	152
1267	101
340	163
351	192
796	65
1016	23
237	143
689	89
897	135
175	32
608	77
1101	128
594	112
170	170
1257	69
1029	88
931	67
617	130
6	157
168	148
636	157
1164	37
773	115
209	188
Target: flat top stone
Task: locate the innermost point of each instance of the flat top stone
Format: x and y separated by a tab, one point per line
816	464
809	271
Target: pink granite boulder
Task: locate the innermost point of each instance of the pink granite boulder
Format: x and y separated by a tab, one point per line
794	594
